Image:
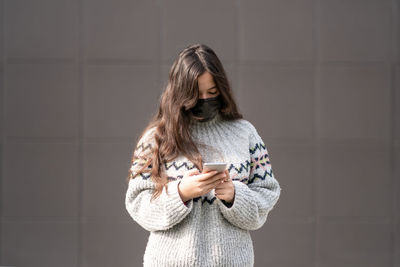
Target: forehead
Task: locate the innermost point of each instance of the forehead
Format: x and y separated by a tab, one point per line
205	80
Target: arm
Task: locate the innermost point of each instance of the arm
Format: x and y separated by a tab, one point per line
253	201
161	213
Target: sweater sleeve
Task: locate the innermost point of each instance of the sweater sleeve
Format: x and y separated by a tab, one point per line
253	201
161	213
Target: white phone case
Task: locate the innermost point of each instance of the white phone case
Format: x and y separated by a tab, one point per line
217	166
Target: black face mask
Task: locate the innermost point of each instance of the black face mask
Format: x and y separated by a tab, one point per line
207	108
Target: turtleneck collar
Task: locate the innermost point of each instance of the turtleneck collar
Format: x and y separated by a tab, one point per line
196	123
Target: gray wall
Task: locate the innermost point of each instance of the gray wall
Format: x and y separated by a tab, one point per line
320	79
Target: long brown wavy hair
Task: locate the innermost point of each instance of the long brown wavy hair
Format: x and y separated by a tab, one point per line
171	136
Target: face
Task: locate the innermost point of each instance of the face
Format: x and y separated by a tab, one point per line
207	87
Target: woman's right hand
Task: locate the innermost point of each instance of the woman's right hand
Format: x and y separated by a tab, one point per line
194	184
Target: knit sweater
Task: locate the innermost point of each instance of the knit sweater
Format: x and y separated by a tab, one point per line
206	231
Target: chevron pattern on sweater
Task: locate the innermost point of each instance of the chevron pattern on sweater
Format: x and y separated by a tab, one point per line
143	147
186	164
261	177
260	162
147	146
204	200
259	145
146	175
244	166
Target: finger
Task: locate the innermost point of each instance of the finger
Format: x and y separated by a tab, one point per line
219	193
207	171
218	178
218	183
212	185
222	189
218	190
221	186
193	171
207	175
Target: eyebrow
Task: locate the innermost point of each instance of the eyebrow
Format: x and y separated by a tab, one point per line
212	87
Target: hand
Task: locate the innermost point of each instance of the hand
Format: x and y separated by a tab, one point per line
226	190
195	184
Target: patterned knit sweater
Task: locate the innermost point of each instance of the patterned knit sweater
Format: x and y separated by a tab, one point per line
206	231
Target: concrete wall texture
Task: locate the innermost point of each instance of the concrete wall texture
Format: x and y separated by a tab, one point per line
320	79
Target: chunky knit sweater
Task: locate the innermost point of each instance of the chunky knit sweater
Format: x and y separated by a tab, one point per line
206	231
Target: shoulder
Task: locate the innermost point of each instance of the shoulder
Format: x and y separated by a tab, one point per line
147	136
146	142
246	126
250	129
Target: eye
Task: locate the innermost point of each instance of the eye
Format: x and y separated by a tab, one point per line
213	93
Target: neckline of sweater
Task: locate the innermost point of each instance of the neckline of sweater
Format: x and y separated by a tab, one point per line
199	124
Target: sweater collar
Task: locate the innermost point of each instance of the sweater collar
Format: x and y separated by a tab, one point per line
198	124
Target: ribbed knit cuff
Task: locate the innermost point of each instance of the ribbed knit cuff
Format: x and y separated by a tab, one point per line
238	212
186	202
175	203
251	206
159	214
238	201
227	204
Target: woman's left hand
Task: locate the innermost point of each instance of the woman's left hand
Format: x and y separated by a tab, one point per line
226	190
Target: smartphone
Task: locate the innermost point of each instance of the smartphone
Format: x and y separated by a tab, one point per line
214	166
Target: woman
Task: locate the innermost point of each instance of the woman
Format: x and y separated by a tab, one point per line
199	218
